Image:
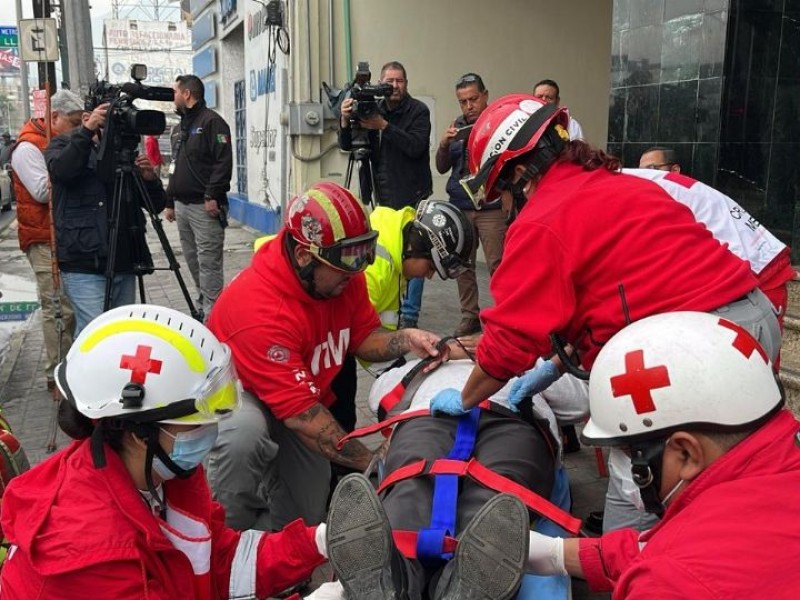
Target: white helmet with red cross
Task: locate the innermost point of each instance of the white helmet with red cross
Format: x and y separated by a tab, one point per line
680	370
147	363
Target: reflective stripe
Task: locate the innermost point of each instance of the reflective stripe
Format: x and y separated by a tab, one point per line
243	568
389	317
334	217
186	348
383	253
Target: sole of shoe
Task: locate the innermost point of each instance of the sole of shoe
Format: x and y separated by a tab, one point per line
360	541
491	552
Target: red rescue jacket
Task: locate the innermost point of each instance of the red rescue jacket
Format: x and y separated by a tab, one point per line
80	532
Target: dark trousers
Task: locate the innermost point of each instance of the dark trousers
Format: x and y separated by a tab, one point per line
506	445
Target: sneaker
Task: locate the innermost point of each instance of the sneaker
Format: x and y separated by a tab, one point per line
406	323
360	546
468	326
491	553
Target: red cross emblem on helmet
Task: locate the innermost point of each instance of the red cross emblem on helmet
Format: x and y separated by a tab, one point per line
140	364
639	381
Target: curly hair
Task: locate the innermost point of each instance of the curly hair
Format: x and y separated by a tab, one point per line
589	157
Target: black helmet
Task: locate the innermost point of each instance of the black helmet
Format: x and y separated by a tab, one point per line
450	235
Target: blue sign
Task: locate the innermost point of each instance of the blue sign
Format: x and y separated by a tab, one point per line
8	30
204	29
195	6
227	10
205	62
262	82
210	93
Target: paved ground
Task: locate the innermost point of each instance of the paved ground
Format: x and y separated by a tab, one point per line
28	406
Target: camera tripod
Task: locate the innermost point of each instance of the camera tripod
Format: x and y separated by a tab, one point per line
130	194
360	154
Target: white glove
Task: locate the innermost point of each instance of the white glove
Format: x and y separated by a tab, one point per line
545	555
319	539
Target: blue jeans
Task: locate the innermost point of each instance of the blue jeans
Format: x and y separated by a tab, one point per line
412	301
86	293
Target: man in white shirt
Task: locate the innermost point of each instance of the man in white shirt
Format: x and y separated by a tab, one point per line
32	191
548	91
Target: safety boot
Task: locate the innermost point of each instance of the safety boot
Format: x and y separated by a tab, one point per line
490	556
360	545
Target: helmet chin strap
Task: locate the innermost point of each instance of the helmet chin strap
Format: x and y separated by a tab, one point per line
646	459
306	273
149	433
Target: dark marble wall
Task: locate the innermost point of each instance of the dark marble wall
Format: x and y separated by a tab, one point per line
759	156
719	81
667	80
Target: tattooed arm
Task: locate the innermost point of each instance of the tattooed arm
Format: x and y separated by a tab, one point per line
382	345
319	430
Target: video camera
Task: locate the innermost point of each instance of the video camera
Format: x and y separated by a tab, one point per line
365	95
125	123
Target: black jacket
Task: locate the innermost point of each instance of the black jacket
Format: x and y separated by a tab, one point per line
400	156
204	160
82	209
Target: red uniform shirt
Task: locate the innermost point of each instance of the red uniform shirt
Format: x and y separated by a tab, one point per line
288	346
581	235
734	532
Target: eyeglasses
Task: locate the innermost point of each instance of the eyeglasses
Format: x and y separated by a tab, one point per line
398	81
658	166
352	255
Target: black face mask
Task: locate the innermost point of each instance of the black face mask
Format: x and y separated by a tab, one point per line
646	459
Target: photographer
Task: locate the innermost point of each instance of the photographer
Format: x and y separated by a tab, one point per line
200	176
82	208
399	140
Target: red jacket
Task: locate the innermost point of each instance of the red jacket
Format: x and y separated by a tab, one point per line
734	532
581	235
80	532
288	346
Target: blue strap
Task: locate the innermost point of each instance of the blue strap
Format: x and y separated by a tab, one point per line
445	495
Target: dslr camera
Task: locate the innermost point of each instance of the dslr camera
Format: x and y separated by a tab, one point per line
365	95
125	123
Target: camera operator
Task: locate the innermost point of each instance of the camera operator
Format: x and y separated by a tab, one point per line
82	207
399	140
200	176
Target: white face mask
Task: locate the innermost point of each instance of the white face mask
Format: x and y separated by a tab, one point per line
672	492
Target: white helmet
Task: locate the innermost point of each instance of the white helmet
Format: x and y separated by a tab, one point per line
679	370
147	364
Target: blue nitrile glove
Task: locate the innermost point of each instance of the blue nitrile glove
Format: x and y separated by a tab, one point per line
534	381
448	401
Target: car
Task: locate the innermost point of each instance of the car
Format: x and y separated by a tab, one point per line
5	189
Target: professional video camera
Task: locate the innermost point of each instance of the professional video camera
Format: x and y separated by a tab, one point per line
120	138
125	123
365	95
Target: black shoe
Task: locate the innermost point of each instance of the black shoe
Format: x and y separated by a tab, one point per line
593	525
491	553
360	546
406	323
570	439
468	326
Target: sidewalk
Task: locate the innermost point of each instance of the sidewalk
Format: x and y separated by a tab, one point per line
28	406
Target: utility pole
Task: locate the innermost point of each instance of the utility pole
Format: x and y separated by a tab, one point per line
23	72
76	27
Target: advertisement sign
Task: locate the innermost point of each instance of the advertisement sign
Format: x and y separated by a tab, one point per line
39	103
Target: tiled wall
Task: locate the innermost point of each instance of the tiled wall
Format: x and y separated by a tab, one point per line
719	81
666	80
759	158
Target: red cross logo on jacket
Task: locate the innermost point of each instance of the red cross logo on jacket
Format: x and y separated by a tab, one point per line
140	364
638	382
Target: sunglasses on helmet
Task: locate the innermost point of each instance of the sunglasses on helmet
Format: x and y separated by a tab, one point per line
352	255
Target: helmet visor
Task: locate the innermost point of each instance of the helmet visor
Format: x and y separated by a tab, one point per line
220	394
352	255
475	185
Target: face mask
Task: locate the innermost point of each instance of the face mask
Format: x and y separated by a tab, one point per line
671	493
189	450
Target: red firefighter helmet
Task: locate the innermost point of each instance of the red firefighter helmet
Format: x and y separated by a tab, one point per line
509	127
333	225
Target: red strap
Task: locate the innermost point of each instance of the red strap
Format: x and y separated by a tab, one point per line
490	479
384	426
392	399
406	543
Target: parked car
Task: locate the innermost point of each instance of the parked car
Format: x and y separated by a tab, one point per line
5	190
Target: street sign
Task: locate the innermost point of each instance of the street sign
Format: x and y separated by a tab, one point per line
8	37
38	40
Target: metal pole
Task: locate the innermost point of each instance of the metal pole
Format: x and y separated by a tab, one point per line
77	25
23	72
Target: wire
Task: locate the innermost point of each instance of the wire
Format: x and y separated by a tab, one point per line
313	157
